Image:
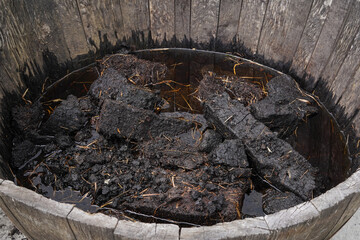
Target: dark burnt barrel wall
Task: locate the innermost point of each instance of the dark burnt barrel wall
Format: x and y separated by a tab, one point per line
316	41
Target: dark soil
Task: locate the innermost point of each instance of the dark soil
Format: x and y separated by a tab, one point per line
121	147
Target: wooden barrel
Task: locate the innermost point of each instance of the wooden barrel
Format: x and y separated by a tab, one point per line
315	41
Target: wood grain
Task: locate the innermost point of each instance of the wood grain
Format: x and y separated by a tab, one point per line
17	37
42	218
250	23
344	60
101	19
283	26
228	20
182	20
87	226
250	228
204	20
162	20
325	43
136	18
72	28
347	83
317	17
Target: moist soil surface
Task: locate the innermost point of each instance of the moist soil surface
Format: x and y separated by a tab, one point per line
139	145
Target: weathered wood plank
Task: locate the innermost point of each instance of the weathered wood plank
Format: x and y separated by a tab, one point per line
344	60
325	43
10	78
254	229
314	24
139	230
298	219
12	218
182	21
17	37
250	23
162	19
72	28
42	218
47	32
136	18
100	19
350	99
91	226
204	20
228	20
283	26
349	189
167	231
331	207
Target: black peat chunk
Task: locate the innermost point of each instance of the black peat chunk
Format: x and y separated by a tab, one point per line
67	117
272	157
230	153
187	198
284	107
231	119
274	201
27	117
22	152
209	141
172	153
239	89
112	85
139	71
121	120
280	164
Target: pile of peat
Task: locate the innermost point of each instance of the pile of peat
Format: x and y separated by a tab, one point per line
141	145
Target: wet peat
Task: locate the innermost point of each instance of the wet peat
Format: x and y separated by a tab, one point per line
172	142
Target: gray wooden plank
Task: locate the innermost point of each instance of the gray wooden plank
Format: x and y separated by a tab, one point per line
182	21
314	24
331	207
350	230
139	230
251	228
346	83
72	28
100	18
47	32
250	23
17	48
283	26
42	218
228	20
136	17
337	67
204	20
91	226
326	42
292	223
350	97
13	219
17	36
162	19
350	188
134	230
192	233
167	232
